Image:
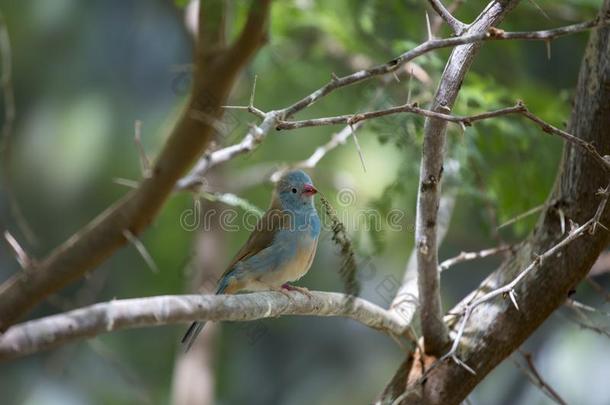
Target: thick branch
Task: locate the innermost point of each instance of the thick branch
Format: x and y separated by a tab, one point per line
52	331
215	74
496	328
406	300
433	328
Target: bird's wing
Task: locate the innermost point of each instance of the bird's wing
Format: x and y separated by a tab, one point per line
262	236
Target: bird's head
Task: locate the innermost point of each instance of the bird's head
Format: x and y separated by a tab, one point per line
295	190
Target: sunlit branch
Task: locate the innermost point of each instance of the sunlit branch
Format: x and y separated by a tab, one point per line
467	256
55	330
256	134
463	121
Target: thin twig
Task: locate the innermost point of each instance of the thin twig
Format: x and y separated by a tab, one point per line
467	256
509	289
232	200
536	379
540	9
438	20
340	137
436	44
358	149
271	118
584	307
518	108
412	108
337	139
20	254
598	288
586	323
456	25
521	216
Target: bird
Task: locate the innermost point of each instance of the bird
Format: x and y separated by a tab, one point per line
280	249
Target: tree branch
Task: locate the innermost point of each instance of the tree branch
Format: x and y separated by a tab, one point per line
406	301
456	25
55	330
536	379
467	256
434	330
509	289
464	121
271	119
495	328
216	69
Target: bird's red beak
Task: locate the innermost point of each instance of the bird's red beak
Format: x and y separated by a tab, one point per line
309	189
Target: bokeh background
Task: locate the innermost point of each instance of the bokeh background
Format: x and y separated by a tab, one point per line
83	72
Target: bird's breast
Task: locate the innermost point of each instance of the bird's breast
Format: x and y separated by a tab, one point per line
296	268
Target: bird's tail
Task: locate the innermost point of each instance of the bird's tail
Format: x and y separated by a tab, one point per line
196	327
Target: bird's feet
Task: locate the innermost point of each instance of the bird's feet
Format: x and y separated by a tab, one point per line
302	290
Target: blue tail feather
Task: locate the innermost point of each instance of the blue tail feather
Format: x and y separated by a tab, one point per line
196	327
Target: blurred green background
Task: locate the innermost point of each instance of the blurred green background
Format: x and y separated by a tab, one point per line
83	72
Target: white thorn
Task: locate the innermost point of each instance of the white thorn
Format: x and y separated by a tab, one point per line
428	27
137	243
513	298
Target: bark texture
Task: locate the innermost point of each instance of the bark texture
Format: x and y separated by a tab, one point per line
496	328
433	328
216	70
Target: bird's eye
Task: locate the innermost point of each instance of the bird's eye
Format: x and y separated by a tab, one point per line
294	190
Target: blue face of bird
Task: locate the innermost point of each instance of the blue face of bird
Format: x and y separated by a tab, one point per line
296	189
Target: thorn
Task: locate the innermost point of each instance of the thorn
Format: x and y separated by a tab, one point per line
334	76
428	27
137	243
513	298
137	137
125	182
463	127
541	10
562	220
409	86
253	92
22	257
358	148
235	107
462	364
395	76
547	43
445	109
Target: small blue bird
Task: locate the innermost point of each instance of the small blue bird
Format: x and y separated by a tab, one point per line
280	249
